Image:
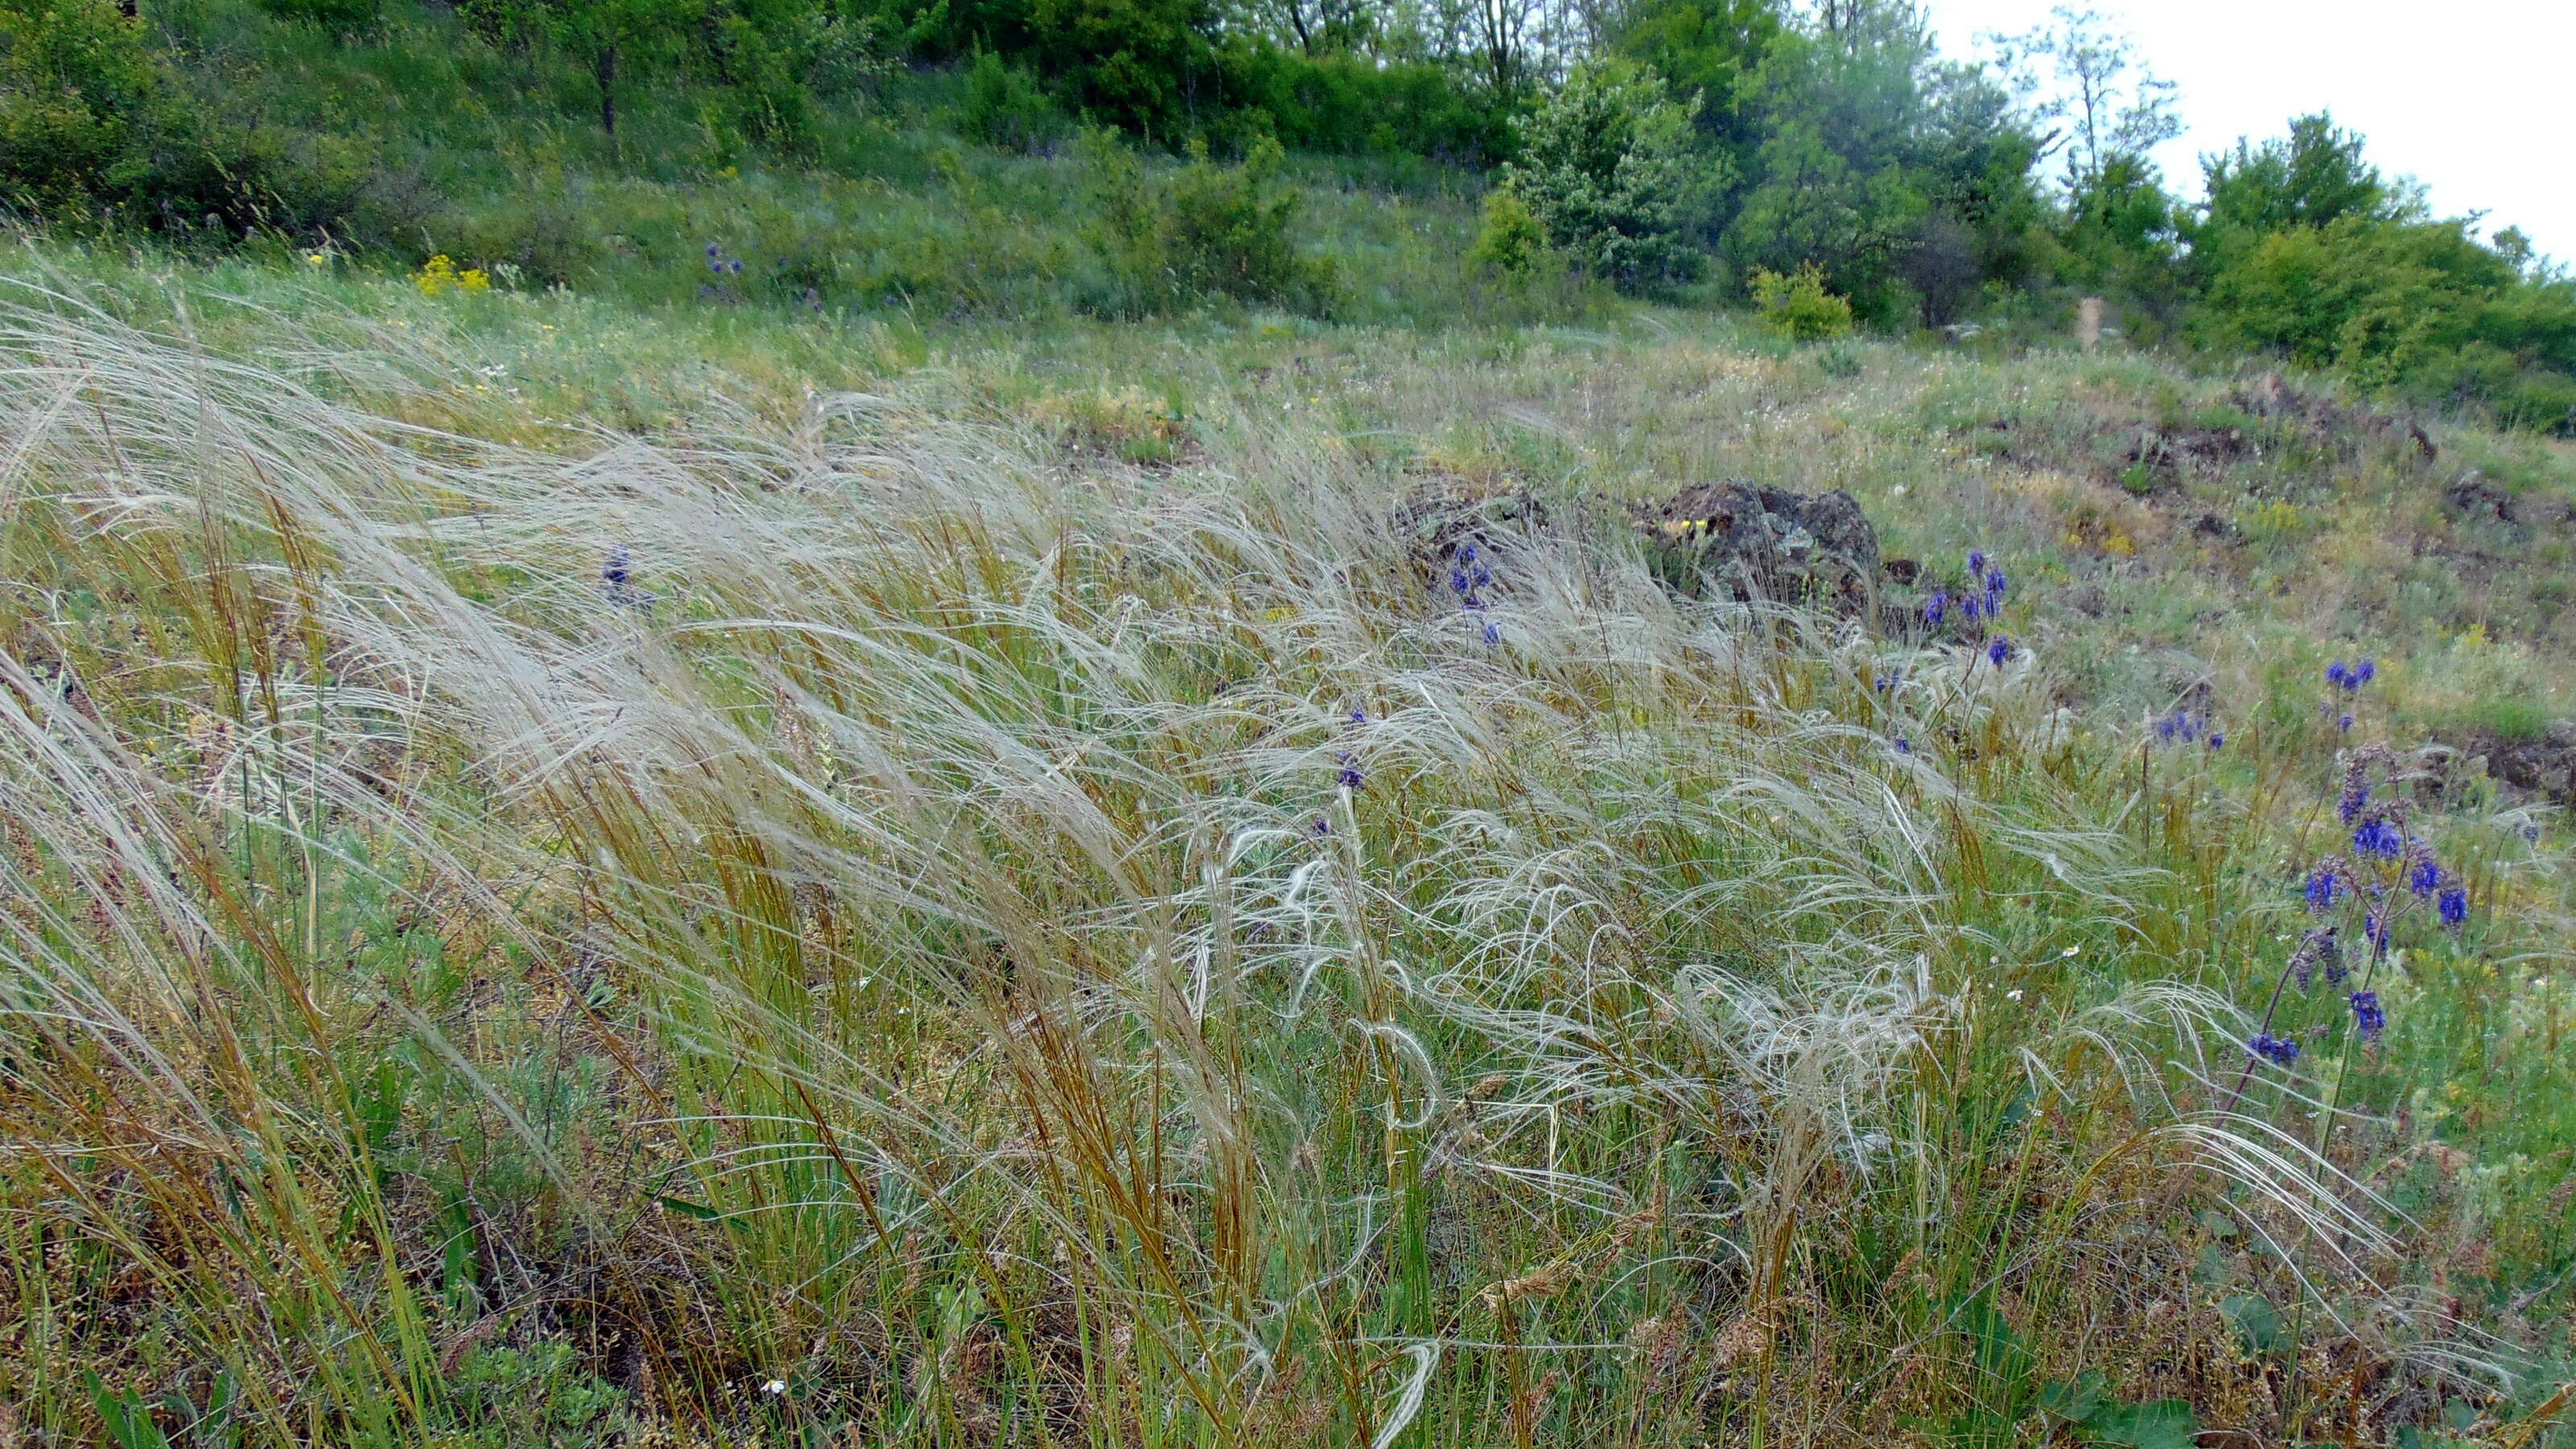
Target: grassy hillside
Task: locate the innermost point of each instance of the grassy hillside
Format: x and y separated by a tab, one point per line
492	157
586	873
878	849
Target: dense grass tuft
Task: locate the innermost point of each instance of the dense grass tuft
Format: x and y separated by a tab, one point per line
998	899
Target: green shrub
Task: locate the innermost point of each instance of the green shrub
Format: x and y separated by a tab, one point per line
94	127
1798	307
540	1395
337	16
2410	307
764	95
80	100
1607	167
1134	64
1210	228
1005	106
1511	244
537	235
842	55
1351	105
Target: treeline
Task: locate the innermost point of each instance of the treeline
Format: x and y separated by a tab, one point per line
1831	164
1821	153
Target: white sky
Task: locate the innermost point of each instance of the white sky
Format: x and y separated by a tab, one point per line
2475	98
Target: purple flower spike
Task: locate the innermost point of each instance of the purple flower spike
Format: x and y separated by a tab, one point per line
2324	888
2279	1050
2379	838
1999	651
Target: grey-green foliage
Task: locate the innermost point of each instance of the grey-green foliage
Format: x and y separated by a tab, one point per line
539	1395
1608	168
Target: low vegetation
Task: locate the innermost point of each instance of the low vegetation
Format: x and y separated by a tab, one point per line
977	904
1017	724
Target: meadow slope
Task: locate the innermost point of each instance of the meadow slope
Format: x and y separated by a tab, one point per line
589	873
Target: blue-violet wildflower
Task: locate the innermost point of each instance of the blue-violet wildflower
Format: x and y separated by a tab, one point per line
2277	1049
2425	875
2324	888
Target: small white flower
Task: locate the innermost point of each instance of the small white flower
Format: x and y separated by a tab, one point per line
774	1386
2071	952
2013	995
1896	492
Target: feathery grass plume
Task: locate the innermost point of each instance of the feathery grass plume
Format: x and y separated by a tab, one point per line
915	977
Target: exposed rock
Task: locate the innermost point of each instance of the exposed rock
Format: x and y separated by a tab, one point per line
1757	541
2169	452
2544	766
1446	513
2270	397
2473	494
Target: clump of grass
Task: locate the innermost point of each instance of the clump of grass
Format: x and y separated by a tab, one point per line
835	919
